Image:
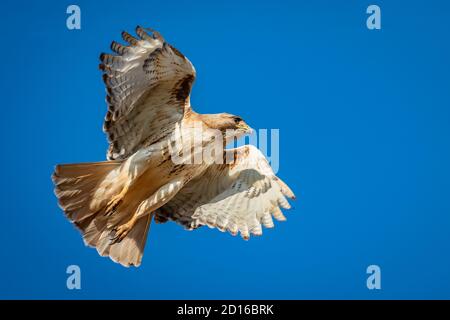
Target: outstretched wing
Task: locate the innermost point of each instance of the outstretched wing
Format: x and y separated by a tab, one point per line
237	197
148	84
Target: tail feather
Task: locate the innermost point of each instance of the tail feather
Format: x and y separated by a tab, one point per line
75	185
75	188
129	250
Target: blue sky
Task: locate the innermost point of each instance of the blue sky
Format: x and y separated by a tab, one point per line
364	119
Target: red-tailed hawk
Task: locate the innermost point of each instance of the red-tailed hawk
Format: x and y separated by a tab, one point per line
149	124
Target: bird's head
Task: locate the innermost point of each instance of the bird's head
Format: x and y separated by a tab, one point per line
230	125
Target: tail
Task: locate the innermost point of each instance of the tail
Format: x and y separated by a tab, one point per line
77	188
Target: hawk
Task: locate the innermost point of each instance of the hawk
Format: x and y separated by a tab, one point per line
149	123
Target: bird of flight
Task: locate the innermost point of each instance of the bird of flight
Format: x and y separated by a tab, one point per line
153	171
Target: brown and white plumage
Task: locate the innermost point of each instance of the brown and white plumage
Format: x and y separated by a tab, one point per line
148	84
112	203
239	197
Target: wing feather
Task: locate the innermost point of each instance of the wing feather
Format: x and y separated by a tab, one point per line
148	83
239	198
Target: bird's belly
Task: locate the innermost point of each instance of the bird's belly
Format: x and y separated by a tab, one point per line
158	167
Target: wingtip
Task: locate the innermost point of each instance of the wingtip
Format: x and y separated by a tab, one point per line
56	170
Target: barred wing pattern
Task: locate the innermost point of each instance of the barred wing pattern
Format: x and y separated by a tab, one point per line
148	85
239	198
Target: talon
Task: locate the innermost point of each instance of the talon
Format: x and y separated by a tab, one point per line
113	239
120	232
112	205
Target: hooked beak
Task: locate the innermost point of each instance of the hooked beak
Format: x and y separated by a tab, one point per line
246	128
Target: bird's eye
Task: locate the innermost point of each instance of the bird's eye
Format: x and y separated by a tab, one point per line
237	119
